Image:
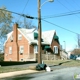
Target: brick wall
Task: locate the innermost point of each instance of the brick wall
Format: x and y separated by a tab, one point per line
55	43
15	44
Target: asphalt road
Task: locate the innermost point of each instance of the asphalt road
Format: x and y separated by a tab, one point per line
60	74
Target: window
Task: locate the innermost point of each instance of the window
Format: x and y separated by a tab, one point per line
11	38
55	49
35	49
21	49
10	50
19	36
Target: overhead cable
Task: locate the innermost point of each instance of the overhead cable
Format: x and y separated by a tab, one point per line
60	27
30	17
62	14
23	9
67	8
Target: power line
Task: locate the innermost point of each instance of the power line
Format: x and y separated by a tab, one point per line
76	3
62	14
66	8
63	5
30	17
23	10
60	27
25	6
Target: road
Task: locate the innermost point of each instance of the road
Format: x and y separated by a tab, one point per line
60	74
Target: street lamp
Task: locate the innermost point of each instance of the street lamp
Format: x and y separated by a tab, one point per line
45	2
39	29
64	45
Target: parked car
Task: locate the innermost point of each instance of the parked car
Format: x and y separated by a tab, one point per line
78	58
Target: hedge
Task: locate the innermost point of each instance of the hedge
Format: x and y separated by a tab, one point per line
10	63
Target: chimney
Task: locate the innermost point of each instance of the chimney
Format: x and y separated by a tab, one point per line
15	42
15	34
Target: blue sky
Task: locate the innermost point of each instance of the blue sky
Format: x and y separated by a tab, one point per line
71	22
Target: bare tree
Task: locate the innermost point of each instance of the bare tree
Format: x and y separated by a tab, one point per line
5	24
28	24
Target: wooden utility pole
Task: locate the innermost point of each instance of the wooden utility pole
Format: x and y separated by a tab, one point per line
39	32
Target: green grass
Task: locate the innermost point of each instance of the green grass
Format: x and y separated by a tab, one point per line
66	63
11	69
69	63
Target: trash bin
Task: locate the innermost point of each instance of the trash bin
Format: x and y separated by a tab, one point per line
41	67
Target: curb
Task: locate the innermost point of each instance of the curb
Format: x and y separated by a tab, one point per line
16	73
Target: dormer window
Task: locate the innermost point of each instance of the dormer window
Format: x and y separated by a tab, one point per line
19	37
55	37
35	35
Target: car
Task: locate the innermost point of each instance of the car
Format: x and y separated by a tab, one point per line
78	58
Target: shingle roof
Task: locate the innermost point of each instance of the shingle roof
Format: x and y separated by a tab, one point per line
47	36
28	34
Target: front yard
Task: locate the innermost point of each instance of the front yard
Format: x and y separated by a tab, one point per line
66	63
11	69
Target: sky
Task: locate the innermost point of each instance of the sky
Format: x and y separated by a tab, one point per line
67	39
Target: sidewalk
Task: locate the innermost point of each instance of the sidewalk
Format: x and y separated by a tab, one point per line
15	73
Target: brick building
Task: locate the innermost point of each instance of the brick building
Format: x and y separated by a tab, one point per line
22	44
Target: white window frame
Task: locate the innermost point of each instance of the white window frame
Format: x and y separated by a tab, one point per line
55	49
10	50
19	36
11	38
35	49
21	50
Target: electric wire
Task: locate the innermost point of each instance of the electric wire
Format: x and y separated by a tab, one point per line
41	19
60	27
62	14
30	17
23	9
76	3
66	8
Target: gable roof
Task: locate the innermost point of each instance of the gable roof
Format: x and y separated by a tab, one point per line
76	51
28	34
47	36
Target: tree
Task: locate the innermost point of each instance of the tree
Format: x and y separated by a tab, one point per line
26	23
5	23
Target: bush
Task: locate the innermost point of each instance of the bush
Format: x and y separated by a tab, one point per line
1	57
10	63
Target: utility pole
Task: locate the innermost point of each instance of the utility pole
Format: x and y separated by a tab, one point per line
64	45
39	33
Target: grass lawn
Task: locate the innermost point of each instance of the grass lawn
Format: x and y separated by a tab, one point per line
69	63
66	63
11	69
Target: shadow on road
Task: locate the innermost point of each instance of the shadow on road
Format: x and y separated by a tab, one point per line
59	64
21	78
